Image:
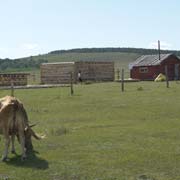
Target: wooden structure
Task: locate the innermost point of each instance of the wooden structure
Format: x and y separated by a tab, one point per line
56	73
95	71
60	73
17	79
148	67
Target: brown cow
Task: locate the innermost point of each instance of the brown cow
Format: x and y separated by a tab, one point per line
14	122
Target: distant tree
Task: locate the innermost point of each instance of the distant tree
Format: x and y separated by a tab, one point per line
34	62
20	63
126	50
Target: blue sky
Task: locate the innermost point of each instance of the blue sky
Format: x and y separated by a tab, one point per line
31	27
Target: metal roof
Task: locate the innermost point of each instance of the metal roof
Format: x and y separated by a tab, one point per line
150	60
57	63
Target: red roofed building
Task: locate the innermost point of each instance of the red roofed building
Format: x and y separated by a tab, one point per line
148	67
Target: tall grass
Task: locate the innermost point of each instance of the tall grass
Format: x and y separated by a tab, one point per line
101	133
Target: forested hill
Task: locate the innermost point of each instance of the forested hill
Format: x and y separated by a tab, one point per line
122	56
24	64
124	50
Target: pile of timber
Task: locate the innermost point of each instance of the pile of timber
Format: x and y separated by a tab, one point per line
56	73
60	73
17	79
95	71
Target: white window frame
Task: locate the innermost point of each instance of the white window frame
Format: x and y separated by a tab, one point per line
143	69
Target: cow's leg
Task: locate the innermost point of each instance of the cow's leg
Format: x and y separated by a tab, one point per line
7	142
22	142
13	147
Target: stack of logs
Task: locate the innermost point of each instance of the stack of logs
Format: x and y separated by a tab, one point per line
17	79
60	73
56	73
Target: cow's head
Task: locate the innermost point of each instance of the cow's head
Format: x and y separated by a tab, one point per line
28	134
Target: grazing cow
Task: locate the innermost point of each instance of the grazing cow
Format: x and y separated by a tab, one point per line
14	122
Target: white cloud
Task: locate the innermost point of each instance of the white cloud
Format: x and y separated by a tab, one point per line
21	50
30	46
28	49
4	52
163	44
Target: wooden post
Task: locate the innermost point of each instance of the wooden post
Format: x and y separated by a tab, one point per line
71	81
122	80
34	77
12	88
118	74
167	79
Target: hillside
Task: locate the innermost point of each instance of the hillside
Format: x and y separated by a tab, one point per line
124	50
121	56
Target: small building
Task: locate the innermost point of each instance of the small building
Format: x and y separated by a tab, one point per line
18	79
56	73
95	70
60	73
148	67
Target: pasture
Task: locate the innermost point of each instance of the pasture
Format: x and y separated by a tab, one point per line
101	133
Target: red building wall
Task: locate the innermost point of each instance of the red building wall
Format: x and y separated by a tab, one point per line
154	71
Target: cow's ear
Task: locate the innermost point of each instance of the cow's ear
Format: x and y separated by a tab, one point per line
26	128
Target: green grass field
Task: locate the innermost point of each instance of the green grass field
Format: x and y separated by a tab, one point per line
101	133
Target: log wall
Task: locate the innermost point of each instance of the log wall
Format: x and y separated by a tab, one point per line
56	73
95	71
59	73
18	79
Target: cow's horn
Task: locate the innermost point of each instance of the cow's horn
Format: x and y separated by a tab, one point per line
32	125
36	136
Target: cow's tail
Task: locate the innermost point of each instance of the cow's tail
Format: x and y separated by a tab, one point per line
14	128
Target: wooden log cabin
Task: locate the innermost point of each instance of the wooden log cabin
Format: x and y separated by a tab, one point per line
56	73
60	73
95	71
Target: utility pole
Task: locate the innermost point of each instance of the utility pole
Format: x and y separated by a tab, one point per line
159	50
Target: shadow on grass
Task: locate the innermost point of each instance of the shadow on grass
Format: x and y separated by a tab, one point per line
32	161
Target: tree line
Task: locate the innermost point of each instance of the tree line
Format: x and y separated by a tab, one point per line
33	62
24	63
125	50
